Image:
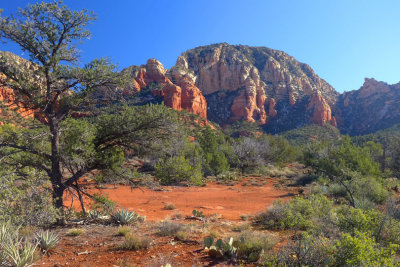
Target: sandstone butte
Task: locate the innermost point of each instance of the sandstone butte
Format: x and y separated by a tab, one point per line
260	79
258	90
182	94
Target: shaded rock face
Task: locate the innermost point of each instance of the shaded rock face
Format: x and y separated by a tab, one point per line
180	94
375	106
260	78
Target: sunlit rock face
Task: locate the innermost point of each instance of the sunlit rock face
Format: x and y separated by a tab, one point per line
182	93
260	84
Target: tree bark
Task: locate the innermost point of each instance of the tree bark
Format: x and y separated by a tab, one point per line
56	172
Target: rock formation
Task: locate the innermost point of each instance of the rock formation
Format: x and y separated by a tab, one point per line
180	94
375	106
225	83
257	80
321	110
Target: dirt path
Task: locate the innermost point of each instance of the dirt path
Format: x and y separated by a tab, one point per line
229	201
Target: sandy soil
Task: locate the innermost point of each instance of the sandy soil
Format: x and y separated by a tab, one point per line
229	201
99	244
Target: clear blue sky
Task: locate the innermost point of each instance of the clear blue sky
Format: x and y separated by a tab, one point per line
344	41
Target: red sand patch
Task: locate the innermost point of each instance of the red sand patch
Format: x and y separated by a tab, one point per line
229	201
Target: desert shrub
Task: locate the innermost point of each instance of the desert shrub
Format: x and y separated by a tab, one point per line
380	226
369	189
216	163
169	206
214	159
249	152
168	228
280	150
273	217
135	242
352	220
366	191
25	201
252	245
178	169
306	179
361	250
103	204
304	251
298	213
352	169
227	176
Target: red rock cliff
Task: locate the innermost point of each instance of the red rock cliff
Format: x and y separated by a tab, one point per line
180	94
321	111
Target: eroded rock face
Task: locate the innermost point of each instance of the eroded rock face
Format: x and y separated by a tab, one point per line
321	110
375	106
192	99
180	94
255	75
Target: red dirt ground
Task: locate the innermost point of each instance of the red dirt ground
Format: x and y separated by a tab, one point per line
229	201
99	245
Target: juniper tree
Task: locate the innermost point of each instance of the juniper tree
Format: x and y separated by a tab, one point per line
53	86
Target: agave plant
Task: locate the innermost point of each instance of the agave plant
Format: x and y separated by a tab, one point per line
18	252
94	214
47	240
125	216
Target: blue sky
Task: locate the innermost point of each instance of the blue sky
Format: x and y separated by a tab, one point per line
344	41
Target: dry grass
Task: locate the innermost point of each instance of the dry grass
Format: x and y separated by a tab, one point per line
75	232
123	230
168	228
134	242
169	206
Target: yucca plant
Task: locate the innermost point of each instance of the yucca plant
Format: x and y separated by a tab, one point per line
18	252
7	235
47	240
125	216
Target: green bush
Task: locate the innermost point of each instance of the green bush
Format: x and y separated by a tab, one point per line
25	201
351	220
366	191
102	204
214	158
362	250
178	169
382	227
298	213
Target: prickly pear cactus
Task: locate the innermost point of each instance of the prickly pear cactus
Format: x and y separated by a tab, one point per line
208	241
197	213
